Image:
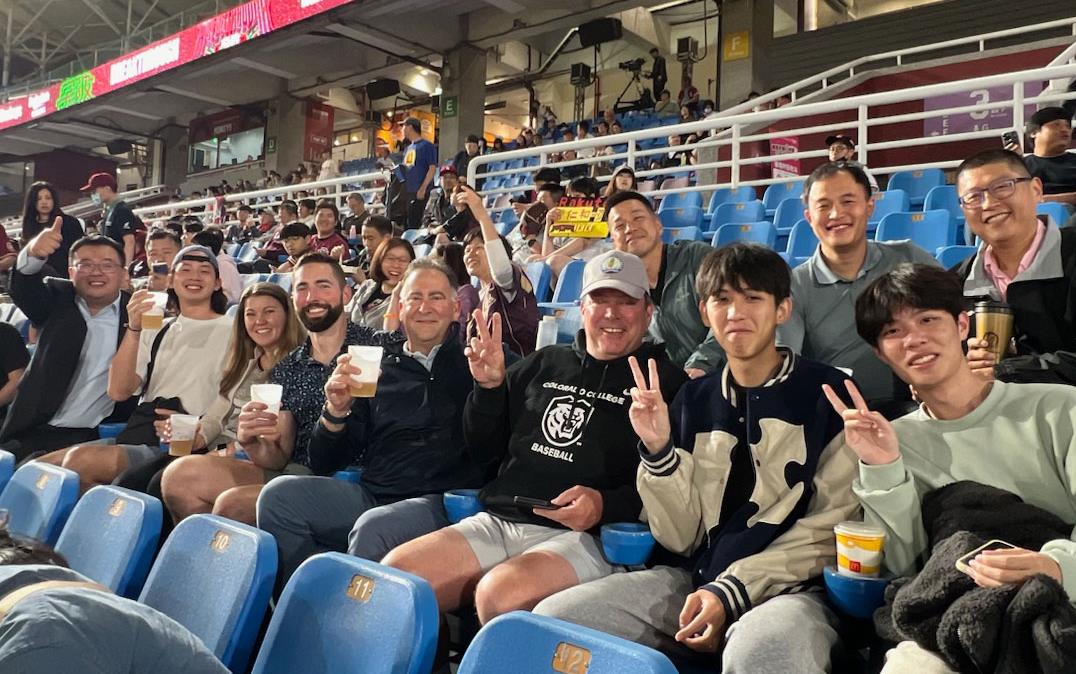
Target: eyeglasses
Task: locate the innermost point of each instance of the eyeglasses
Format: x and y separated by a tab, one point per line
106	267
1002	189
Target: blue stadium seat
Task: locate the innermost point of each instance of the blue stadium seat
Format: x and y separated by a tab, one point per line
214	576
524	643
778	192
950	256
746	211
411	234
540	276
251	279
39	498
917	184
945	198
802	243
1056	210
7	468
681	200
422	250
248	253
670	234
569	285
509	219
689	216
756	232
232	311
930	230
727	195
340	613
111	537
889	201
789	212
283	280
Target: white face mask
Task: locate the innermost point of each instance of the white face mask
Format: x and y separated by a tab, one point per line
96	198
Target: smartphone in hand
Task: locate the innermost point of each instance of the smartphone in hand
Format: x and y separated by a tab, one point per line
962	563
1010	138
528	502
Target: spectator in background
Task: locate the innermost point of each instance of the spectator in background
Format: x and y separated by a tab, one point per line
622	180
376	230
658	74
1024	260
707	109
274	247
40	211
387	266
307	207
635	228
8	254
14	358
1051	162
505	291
230	282
483	146
266	219
687	114
161	248
120	222
688	96
439	207
296	237
191	226
327	240
246	229
63	398
675	158
549	129
602	129
451	255
557	252
824	289
266	330
842	148
616	128
498	144
463	157
665	104
582	132
330	168
420	167
357	217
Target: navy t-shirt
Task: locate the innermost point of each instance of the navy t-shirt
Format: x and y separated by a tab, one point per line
420	156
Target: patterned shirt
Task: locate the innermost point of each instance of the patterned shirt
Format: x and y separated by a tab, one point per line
303	379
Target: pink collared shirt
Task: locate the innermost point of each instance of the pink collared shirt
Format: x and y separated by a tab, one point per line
998	277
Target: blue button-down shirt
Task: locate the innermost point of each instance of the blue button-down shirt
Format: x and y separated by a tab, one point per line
86	403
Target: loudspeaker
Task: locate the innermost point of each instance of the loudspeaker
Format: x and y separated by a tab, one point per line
372	117
119	146
598	31
382	89
580	74
687	48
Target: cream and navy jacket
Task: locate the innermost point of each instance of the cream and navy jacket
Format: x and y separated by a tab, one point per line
752	482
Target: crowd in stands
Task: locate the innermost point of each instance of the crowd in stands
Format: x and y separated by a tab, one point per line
739	407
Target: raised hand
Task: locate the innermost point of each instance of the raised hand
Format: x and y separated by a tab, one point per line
485	354
468	198
48	241
140	303
338	387
869	434
256	422
649	415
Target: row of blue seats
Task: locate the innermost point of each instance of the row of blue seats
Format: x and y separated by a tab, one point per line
215	576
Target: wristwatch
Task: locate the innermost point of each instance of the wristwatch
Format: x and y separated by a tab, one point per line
332	418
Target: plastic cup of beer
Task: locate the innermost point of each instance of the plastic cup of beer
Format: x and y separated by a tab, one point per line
368	360
859	549
153	319
184	428
267	394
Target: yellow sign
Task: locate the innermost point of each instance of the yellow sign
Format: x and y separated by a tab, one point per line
580	218
360	588
571	659
116	509
220	541
737	46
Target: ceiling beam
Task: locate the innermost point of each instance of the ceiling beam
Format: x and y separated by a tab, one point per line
264	68
104	17
194	95
32	22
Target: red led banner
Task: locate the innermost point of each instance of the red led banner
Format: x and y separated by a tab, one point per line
228	29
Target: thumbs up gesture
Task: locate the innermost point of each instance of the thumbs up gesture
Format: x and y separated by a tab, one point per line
48	241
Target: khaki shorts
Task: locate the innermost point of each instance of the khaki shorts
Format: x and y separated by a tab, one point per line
494	540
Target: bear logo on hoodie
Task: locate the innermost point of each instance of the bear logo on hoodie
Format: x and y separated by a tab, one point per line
564	420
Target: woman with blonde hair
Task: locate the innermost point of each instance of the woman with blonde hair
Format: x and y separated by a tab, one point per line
225	480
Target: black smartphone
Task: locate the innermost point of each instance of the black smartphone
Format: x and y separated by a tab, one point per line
962	563
528	502
1010	138
160	268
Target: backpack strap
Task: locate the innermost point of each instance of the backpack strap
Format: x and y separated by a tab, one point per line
153	349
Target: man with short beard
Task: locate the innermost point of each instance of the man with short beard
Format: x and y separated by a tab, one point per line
319	292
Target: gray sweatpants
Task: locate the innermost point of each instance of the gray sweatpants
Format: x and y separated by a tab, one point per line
787	634
308	515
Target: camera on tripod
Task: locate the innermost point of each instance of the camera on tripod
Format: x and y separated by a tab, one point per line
633	66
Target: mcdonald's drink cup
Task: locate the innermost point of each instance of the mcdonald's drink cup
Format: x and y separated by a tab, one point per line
268	394
184	428
368	360
859	549
153	319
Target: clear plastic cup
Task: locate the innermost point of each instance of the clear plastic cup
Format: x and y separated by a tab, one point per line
184	428
153	319
267	394
368	360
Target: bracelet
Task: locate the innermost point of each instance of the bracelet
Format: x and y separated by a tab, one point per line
332	418
130	329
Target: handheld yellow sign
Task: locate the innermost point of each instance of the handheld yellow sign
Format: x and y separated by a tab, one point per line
580	218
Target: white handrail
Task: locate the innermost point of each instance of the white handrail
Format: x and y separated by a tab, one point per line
734	130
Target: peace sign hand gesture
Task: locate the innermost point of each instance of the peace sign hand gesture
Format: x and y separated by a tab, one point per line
648	413
869	434
485	355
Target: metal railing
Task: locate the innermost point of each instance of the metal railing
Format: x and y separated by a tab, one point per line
734	131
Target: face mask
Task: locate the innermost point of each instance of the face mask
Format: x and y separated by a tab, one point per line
95	198
707	110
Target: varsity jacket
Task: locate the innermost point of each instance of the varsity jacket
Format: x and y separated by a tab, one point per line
786	439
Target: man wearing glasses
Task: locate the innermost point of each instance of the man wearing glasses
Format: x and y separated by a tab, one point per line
1025	261
64	396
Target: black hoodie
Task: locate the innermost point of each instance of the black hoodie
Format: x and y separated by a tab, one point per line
560	420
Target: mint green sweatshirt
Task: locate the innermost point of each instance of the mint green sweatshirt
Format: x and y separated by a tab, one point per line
1022	439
